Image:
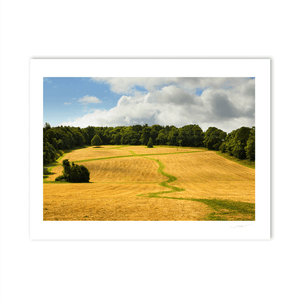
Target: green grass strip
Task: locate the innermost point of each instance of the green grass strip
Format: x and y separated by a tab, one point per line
165	183
226	209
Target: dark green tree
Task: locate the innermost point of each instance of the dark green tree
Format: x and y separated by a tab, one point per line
145	134
240	142
250	148
173	136
150	143
229	142
96	140
213	138
161	138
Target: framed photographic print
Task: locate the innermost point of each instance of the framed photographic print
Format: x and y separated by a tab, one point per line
150	149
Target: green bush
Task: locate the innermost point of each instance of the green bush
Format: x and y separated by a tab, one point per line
60	178
75	173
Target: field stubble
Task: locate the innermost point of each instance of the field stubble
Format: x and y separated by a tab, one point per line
112	195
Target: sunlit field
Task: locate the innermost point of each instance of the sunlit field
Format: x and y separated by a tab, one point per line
160	183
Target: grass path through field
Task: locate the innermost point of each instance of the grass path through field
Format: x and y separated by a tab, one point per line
223	209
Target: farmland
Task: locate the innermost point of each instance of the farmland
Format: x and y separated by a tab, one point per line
160	183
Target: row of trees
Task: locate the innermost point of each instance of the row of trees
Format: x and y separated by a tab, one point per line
239	143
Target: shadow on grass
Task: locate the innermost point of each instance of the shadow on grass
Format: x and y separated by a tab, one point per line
47	175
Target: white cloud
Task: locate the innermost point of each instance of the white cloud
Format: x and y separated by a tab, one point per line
225	103
127	85
67	103
89	99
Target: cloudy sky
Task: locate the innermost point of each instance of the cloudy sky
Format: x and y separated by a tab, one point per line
226	103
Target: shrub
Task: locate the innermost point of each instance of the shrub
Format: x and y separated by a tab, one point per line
75	173
60	178
150	143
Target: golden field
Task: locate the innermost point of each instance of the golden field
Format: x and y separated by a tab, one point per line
98	201
211	183
208	175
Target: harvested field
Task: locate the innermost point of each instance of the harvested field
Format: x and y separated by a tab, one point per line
207	175
127	169
226	190
177	186
97	201
91	152
136	169
157	150
56	171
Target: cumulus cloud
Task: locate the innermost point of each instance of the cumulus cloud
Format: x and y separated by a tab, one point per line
226	103
67	103
89	99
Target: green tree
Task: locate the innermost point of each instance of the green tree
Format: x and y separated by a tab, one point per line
173	136
161	138
250	148
145	134
213	138
96	140
150	143
229	142
240	142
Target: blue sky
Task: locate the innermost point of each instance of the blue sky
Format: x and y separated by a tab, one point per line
226	103
61	95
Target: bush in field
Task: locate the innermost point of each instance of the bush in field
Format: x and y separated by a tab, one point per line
74	173
96	140
150	143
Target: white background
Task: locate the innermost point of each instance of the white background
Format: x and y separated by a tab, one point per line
149	270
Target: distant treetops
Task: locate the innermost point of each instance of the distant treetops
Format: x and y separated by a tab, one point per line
239	143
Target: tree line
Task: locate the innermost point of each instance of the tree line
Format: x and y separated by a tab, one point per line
239	143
